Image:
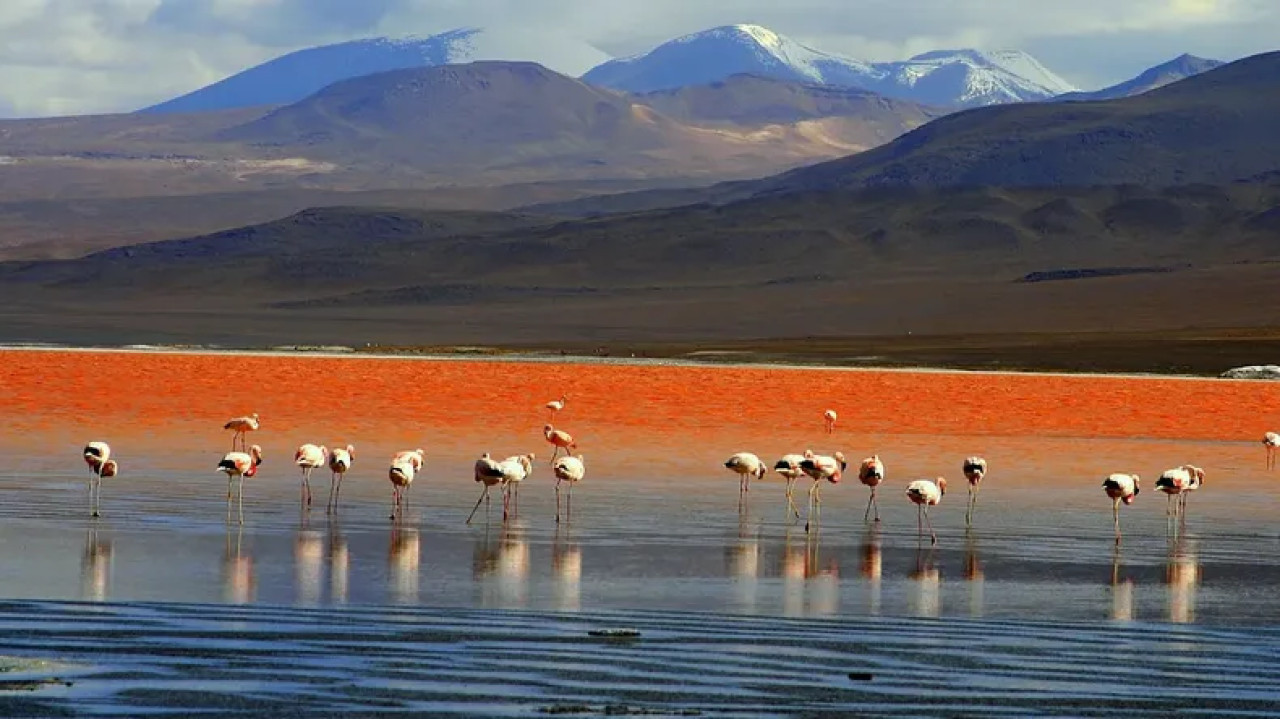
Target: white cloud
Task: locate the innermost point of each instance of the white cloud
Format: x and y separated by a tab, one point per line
73	56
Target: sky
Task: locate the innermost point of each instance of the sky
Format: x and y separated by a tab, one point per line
60	57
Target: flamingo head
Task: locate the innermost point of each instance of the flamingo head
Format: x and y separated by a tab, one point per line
1129	499
109	468
351	451
942	486
254	416
256	452
840	458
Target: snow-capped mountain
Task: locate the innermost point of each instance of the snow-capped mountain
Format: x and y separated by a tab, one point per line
964	78
294	76
1179	68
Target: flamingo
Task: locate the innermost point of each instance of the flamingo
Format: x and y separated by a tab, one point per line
789	468
489	473
829	417
746	465
98	456
241	425
975	468
1120	488
240	465
555	405
308	457
340	460
1271	441
1175	483
871	473
571	470
405	466
515	469
820	467
560	439
925	494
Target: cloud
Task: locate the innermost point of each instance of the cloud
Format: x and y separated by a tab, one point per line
76	56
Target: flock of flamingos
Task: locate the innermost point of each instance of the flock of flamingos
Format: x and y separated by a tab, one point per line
508	473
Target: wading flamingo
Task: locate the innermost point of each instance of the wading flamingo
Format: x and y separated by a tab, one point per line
871	473
241	425
1176	483
404	467
746	465
829	418
926	494
488	473
560	439
1120	488
975	468
571	470
98	456
340	460
789	468
820	467
515	469
308	457
238	465
555	405
1271	441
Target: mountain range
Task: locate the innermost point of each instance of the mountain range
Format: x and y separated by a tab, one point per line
952	79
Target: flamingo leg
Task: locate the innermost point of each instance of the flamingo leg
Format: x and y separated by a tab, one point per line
792	510
483	496
240	501
333	483
337	492
568	503
929	523
1115	510
557	501
871	501
506	502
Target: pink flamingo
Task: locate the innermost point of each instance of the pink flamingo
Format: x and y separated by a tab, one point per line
926	494
308	458
871	473
555	405
1177	482
488	473
560	439
240	465
98	456
829	418
975	468
1120	488
1271	441
340	460
515	469
241	425
571	470
820	467
789	468
746	465
404	467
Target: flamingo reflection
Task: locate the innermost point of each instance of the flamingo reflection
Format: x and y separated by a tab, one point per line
872	566
339	562
402	564
809	588
1182	574
973	574
308	564
1121	591
566	566
928	581
501	568
95	566
743	559
238	582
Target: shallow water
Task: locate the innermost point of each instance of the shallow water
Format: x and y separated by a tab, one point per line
1034	595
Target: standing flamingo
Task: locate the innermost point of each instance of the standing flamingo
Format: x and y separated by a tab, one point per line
829	417
308	457
241	425
571	470
488	473
820	467
926	494
871	473
1196	480
1120	488
240	465
98	456
555	405
789	468
340	460
1175	483
975	468
1271	441
404	467
515	469
560	439
746	465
